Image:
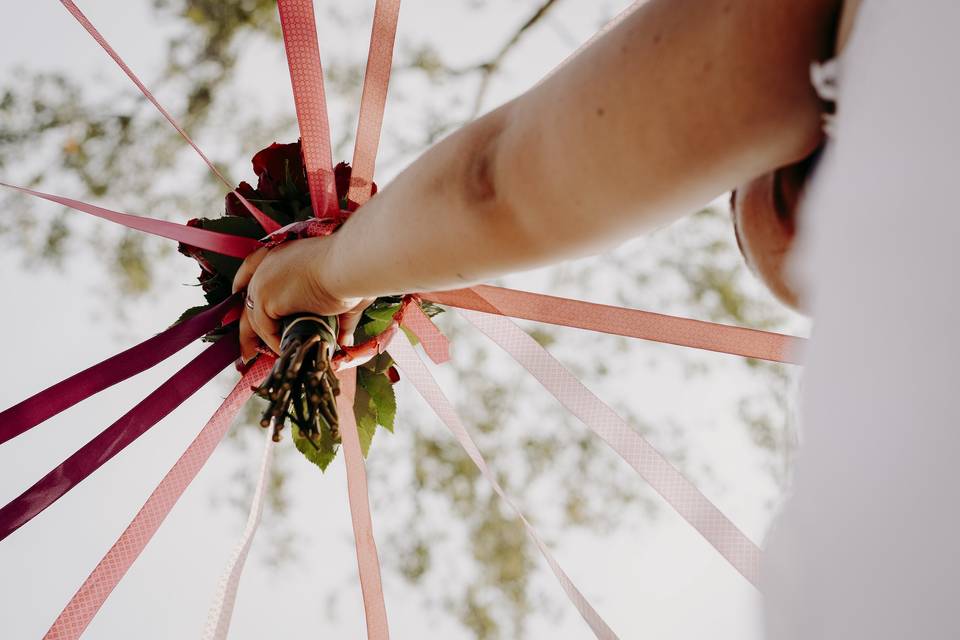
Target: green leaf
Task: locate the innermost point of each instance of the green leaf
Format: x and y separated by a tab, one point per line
380	311
431	309
234	226
321	454
382	396
378	317
411	336
226	266
192	311
378	363
365	412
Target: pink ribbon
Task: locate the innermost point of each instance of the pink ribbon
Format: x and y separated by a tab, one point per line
416	372
434	343
223	243
300	42
306	76
663	477
91	595
368	564
376	81
221	610
265	221
633	323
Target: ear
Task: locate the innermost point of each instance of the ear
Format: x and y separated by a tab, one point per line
765	214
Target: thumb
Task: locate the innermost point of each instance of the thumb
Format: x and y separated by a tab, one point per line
350	319
245	272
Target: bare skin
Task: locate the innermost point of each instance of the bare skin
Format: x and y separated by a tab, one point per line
683	101
766	210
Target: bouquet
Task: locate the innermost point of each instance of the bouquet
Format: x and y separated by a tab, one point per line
302	387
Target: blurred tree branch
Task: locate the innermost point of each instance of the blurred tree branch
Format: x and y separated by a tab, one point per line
53	131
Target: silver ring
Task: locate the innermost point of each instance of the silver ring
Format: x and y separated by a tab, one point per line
248	302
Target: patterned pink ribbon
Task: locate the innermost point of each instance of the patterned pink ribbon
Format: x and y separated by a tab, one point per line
368	564
663	477
632	323
434	343
414	370
306	76
221	610
85	604
376	81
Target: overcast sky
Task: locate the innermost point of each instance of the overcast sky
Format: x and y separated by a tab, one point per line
664	582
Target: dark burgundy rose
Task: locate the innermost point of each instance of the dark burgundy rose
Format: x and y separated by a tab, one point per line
208	273
341	176
234	207
195	253
271	166
393	375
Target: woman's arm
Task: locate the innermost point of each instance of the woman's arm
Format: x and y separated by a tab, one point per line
682	101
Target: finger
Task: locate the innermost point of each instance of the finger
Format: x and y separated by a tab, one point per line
248	338
266	327
245	272
350	319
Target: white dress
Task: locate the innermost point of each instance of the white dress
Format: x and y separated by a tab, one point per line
868	546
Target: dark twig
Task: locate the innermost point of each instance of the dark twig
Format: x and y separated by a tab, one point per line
491	66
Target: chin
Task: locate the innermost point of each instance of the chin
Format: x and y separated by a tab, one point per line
765	218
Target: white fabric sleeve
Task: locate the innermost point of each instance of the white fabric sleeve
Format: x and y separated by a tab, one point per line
867	545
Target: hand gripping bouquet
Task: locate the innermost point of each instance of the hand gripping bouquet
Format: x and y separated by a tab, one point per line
302	386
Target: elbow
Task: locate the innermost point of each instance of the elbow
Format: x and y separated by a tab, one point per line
485	186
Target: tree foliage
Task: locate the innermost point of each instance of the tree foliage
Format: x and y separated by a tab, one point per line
95	145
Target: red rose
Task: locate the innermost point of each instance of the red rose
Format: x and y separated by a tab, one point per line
197	254
393	375
341	176
277	164
234	207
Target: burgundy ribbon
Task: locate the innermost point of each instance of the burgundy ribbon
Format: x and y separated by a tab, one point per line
44	405
117	436
88	599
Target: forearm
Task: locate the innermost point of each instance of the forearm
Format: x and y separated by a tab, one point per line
683	101
437	225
